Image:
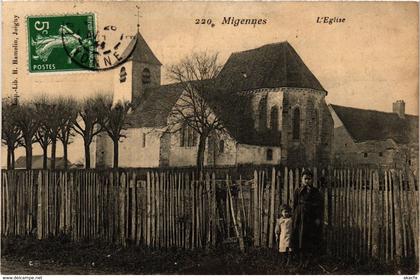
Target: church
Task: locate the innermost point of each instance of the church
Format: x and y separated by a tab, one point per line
281	116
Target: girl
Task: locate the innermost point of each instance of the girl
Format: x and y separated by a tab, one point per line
307	215
283	232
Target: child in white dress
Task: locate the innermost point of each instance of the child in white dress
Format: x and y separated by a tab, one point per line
284	233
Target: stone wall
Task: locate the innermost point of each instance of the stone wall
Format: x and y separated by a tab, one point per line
271	97
132	153
249	154
104	151
138	86
313	147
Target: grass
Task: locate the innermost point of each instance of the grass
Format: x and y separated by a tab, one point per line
102	258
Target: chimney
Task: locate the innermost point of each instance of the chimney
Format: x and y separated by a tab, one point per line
398	107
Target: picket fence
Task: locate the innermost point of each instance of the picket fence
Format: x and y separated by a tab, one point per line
368	213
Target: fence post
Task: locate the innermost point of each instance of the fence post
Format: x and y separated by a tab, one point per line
232	211
255	198
375	214
285	194
413	194
39	213
122	190
214	205
273	189
397	213
148	209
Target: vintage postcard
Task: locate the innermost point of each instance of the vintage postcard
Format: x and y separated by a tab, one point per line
245	138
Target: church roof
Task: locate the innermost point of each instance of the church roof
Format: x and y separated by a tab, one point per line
142	51
157	104
270	66
366	125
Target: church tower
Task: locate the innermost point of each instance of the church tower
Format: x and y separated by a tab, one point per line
141	71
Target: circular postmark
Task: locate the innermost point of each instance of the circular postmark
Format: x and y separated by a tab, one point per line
99	50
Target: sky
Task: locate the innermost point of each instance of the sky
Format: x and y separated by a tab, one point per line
368	61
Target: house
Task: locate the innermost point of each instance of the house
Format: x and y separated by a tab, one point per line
375	138
272	107
37	162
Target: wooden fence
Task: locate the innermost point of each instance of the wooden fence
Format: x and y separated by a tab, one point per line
368	213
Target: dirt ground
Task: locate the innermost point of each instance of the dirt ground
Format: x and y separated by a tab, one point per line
60	256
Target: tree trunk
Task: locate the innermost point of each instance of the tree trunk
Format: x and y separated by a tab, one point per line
28	152
115	153
44	158
12	158
9	158
65	155
200	152
87	155
53	152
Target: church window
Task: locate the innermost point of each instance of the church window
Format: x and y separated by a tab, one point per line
296	124
188	136
365	154
143	140
262	111
269	154
123	75
380	154
274	118
145	77
221	146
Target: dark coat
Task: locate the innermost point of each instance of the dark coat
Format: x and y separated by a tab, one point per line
307	208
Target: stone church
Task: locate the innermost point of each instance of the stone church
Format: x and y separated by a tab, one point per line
281	116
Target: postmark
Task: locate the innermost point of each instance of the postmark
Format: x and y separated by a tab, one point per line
75	43
47	36
111	47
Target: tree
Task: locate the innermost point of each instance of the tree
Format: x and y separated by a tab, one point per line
54	120
67	119
196	75
42	136
28	123
10	131
87	123
114	122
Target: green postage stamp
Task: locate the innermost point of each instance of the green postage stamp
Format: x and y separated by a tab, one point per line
61	43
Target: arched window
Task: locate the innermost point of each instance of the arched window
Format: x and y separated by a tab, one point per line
145	77
274	118
262	114
123	75
188	136
269	155
296	124
221	146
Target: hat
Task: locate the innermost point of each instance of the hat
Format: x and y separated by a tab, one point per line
285	207
307	172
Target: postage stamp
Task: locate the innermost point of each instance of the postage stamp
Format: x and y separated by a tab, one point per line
61	43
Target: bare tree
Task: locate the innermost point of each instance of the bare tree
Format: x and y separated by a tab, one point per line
87	123
27	122
114	122
10	131
196	75
42	136
68	117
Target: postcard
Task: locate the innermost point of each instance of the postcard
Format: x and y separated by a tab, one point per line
201	137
